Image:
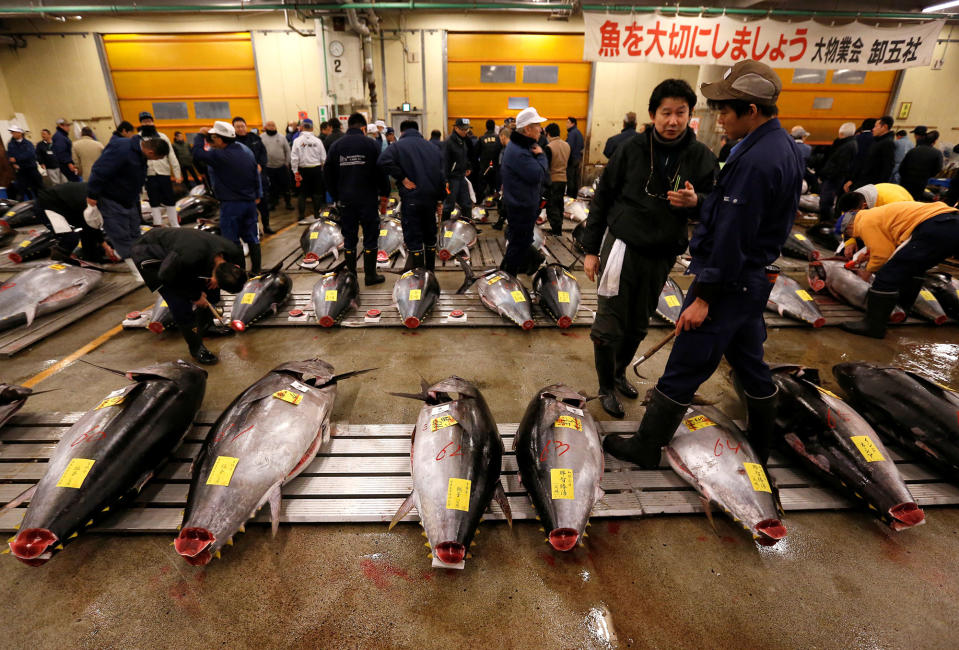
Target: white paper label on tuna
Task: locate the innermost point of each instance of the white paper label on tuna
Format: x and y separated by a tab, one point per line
573	409
118	391
303	388
442	408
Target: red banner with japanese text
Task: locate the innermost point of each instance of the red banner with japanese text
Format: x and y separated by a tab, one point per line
723	40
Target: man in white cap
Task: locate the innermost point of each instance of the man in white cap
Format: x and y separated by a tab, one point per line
800	134
381	135
237	185
23	157
525	173
306	159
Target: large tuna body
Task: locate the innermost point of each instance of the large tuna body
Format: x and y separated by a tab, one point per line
907	408
456	459
415	294
844	285
792	301
267	436
928	307
670	303
833	441
38	245
43	290
22	214
712	454
319	239
798	246
192	208
561	462
390	241
112	449
334	295
161	317
505	295
946	290
261	296
558	293
456	237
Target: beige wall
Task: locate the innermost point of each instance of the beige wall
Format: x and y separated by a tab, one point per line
290	71
934	93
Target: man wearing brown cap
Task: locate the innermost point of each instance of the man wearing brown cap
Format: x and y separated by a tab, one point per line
744	223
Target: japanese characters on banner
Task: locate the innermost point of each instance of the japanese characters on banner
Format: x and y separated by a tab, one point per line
696	40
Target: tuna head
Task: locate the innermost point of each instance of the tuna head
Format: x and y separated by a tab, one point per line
558	293
561	462
415	294
792	301
261	296
505	295
334	295
390	241
455	238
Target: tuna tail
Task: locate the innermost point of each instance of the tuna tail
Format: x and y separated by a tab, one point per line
403	510
500	495
467	272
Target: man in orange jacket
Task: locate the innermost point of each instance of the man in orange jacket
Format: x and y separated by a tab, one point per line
904	239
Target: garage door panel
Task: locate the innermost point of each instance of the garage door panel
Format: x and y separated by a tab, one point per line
249	109
186	84
515	47
175	55
468	74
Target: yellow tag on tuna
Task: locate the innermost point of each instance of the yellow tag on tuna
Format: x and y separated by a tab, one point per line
494	279
927	295
75	473
698	422
757	476
562	296
288	396
442	422
800	237
867	448
804	295
383	232
330	295
518	296
247	298
561	483
569	422
25	243
11	213
673	301
222	471
416	294
458	494
57	267
314	235
110	401
448	234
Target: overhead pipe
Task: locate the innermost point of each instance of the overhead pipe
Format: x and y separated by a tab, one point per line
364	32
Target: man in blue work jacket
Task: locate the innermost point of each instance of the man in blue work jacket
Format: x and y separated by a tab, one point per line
574	138
745	222
237	185
63	150
354	180
23	157
417	167
524	171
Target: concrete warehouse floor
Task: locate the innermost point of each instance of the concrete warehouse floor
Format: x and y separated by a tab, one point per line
839	579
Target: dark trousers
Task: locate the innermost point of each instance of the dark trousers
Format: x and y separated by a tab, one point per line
459	195
71	176
311	185
554	206
932	242
29	180
182	307
121	224
827	200
263	207
353	216
279	184
91	239
190	174
521	220
572	177
734	329
238	221
486	180
419	223
160	191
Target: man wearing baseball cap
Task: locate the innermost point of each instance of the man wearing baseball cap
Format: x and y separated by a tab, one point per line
23	157
456	167
237	185
525	172
744	223
63	149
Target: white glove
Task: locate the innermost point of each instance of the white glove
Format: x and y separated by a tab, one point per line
93	217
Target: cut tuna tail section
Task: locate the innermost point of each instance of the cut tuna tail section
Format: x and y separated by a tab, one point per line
906	515
31	546
193	544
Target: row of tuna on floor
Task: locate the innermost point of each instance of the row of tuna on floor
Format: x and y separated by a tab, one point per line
275	428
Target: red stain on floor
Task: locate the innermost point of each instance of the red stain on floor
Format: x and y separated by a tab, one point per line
549	559
379	573
612	527
573	335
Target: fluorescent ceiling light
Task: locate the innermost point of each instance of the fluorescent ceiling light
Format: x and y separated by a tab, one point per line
942	5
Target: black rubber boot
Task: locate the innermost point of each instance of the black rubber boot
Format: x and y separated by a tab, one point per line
879	304
909	293
197	349
256	259
370	276
349	260
429	259
760	423
415	260
624	355
644	448
605	359
535	259
501	216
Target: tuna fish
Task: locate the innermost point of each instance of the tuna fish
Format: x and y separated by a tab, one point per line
928	307
456	237
946	290
479	214
195	207
790	300
561	462
586	192
834	442
908	409
415	294
43	290
455	459
501	293
112	449
261	296
334	295
809	203
265	438
576	210
37	244
845	285
823	235
6	233
161	318
799	246
22	214
670	304
390	242
557	292
712	454
321	238
12	399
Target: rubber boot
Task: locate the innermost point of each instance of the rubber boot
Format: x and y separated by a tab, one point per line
660	422
909	292
879	304
256	259
605	359
370	276
415	260
429	258
134	271
172	217
195	343
349	260
535	259
624	355
761	422
157	216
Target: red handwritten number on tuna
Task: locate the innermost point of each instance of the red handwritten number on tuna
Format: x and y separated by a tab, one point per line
90	436
831	417
559	445
718	448
224	433
456	452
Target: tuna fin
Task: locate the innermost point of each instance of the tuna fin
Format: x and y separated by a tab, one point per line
500	495
143	481
417	396
274	509
600	494
276	269
404	510
115	372
20	498
347	375
468	272
707	506
31	313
